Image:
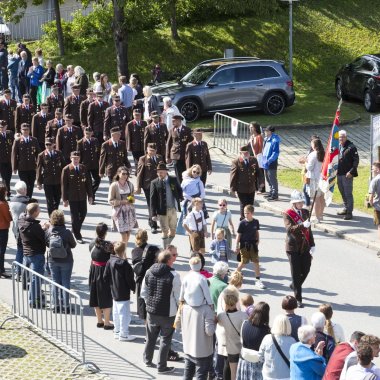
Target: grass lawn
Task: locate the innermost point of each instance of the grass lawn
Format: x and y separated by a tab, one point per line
292	178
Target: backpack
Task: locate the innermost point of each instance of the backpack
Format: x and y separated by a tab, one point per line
56	247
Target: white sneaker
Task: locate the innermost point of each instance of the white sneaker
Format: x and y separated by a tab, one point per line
128	338
116	335
259	284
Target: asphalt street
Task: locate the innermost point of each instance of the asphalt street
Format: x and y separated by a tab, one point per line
342	273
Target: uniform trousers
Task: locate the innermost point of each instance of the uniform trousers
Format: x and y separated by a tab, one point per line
245	199
147	197
53	197
136	157
179	168
300	264
94	173
204	177
6	174
78	212
29	177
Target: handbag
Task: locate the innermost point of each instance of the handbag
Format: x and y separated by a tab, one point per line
286	360
249	355
138	267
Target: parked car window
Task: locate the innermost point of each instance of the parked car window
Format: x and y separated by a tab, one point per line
368	66
224	76
357	64
244	74
199	74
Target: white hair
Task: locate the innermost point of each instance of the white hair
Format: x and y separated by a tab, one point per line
281	325
78	70
59	66
147	90
342	132
20	186
220	269
167	100
305	333
318	321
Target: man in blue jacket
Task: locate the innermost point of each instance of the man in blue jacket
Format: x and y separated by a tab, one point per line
35	74
271	152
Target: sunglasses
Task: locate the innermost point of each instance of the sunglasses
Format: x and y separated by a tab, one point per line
222	205
116	100
196	173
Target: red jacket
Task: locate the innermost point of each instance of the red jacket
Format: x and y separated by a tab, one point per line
336	362
5	216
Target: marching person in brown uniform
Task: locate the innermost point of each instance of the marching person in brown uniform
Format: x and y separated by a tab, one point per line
84	108
179	137
53	125
157	133
6	143
116	116
243	179
89	149
25	151
7	110
299	243
146	173
24	113
76	189
96	114
72	105
197	153
134	136
113	155
50	163
39	123
67	138
55	100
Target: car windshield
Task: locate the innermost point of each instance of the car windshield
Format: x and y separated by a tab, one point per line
199	74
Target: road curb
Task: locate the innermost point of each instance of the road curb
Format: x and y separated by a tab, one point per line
319	226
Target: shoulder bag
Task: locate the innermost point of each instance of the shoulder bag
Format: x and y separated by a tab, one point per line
286	360
248	354
138	267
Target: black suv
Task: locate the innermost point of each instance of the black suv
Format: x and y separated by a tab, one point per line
360	80
228	84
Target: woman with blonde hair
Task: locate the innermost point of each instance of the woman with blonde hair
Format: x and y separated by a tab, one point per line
121	198
144	255
333	329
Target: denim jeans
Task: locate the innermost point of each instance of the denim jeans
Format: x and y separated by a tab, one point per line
19	256
271	176
36	263
121	317
13	84
61	274
306	195
199	367
3	247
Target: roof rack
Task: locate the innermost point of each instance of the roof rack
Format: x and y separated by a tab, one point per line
231	59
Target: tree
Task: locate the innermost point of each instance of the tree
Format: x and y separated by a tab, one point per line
120	36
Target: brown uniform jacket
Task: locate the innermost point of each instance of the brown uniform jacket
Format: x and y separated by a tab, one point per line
156	134
295	240
24	155
23	115
55	102
6	144
134	136
52	127
89	153
39	124
66	141
115	117
49	169
112	158
198	154
75	186
96	115
72	107
84	112
177	143
7	113
147	171
242	176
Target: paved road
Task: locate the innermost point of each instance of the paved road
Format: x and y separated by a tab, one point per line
344	274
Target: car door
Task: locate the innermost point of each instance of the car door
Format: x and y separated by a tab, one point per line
220	90
355	77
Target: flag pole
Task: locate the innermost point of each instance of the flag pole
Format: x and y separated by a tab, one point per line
315	194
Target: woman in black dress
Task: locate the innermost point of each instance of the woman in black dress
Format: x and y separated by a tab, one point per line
100	291
141	265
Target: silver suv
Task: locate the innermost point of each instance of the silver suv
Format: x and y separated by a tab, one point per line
230	84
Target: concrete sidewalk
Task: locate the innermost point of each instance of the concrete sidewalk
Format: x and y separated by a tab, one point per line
360	229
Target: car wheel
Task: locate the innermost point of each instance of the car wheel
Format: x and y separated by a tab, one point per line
339	90
190	109
369	102
274	104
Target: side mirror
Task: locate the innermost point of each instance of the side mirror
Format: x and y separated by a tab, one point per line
212	84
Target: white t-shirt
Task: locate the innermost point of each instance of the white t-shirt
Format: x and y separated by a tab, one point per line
191	223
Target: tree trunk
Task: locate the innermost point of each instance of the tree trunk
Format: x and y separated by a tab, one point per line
120	36
59	28
173	20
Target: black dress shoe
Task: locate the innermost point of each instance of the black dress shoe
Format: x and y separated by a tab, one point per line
153	230
109	327
343	212
80	241
348	216
267	195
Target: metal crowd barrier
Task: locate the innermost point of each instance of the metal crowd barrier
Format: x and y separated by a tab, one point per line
57	315
229	133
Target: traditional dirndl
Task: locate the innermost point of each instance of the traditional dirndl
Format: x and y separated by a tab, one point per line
249	371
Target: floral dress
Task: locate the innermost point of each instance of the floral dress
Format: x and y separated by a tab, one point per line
124	216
